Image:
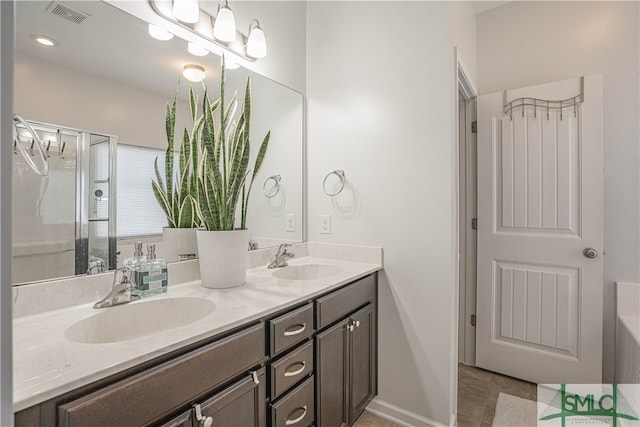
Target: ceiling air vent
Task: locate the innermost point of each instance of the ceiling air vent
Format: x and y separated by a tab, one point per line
64	11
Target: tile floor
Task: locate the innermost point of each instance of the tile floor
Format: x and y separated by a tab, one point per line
477	397
478	393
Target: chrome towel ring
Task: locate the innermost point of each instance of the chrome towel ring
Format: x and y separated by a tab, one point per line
36	141
271	193
340	174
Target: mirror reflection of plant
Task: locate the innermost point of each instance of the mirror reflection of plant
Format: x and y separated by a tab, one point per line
223	172
176	193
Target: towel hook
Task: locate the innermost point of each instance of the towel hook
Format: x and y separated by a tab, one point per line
35	141
340	174
276	186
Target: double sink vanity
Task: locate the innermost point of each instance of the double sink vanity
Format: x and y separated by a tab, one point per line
294	346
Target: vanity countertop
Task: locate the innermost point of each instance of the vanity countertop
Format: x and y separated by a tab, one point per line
46	364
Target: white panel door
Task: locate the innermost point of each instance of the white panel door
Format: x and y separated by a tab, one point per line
540	204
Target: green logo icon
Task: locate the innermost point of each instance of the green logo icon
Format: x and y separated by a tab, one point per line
604	407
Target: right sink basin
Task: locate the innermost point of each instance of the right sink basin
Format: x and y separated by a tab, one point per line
308	272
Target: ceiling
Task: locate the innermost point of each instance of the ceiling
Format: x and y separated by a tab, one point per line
482	6
109	43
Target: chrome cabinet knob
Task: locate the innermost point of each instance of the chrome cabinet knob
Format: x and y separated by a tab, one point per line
590	253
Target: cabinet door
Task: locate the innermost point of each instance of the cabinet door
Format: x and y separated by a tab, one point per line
331	376
362	363
241	404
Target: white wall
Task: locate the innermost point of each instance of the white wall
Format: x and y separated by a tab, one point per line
381	107
6	122
50	93
527	43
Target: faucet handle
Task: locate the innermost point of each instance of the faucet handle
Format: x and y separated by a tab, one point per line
121	276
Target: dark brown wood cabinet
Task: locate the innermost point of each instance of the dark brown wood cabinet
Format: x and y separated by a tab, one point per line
346	361
313	364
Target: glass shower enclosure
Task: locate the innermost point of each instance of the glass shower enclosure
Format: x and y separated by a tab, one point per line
64	221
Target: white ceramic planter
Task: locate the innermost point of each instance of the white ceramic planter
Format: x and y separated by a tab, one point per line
223	258
179	243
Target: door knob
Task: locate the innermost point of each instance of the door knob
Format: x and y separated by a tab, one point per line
590	253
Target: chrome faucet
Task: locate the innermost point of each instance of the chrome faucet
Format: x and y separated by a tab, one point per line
281	256
122	290
96	265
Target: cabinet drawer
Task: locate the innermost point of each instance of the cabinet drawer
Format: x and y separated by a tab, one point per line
291	369
340	303
241	404
291	328
296	408
150	395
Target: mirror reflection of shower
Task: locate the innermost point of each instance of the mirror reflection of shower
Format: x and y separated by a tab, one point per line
63	221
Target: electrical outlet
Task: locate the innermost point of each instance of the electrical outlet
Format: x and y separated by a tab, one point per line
325	224
291	222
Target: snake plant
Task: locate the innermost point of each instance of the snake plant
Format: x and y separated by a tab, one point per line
175	194
224	178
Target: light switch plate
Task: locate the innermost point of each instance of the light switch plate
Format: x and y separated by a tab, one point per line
325	224
291	223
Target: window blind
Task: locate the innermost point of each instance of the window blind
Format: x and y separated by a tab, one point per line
138	211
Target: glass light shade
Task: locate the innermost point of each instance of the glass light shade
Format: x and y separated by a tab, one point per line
159	33
186	11
224	28
194	73
203	26
257	44
165	7
196	49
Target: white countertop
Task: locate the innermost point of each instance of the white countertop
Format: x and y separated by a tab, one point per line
46	364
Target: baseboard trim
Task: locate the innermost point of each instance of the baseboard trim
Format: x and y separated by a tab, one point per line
398	415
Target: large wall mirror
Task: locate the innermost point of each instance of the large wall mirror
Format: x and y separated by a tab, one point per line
97	100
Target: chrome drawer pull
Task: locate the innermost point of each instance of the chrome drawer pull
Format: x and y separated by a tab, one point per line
299	371
296	331
205	421
297	420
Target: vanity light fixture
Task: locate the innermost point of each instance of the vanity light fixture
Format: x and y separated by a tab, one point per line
216	33
194	73
224	28
256	44
186	10
44	40
196	49
159	33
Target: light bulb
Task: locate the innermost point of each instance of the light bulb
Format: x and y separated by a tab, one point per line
194	73
159	33
44	40
196	49
256	44
186	10
224	28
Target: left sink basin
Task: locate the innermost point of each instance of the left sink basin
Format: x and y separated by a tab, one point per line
135	320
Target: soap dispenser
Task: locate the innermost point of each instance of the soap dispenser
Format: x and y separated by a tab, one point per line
137	260
151	277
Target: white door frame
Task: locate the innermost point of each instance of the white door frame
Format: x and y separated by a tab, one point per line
468	237
463	84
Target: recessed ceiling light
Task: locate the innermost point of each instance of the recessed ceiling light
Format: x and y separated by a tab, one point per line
193	72
44	40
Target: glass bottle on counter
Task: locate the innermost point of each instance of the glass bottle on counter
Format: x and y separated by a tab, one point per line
137	260
151	278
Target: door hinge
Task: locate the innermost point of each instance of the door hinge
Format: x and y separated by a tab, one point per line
474	126
473	320
474	223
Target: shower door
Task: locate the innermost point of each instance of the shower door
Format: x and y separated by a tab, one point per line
59	224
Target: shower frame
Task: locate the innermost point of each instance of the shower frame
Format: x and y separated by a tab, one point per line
83	198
